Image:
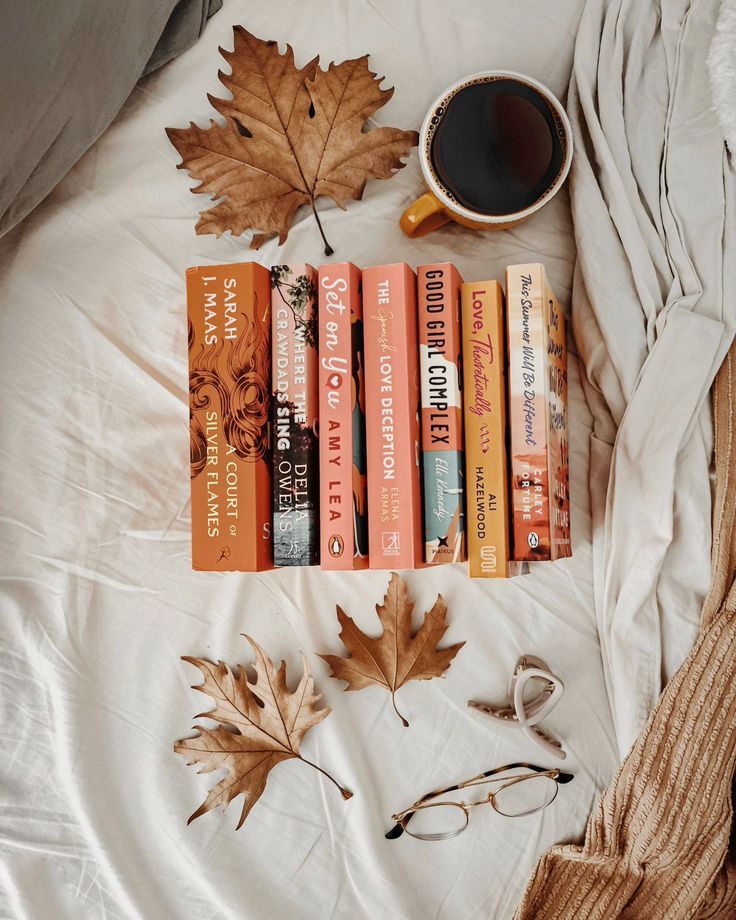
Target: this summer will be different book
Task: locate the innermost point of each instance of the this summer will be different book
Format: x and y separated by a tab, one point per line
440	346
342	447
229	311
484	395
294	413
392	417
538	416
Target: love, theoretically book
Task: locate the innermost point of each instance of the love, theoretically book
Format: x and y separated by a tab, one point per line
443	474
342	445
229	313
484	368
294	413
392	417
538	416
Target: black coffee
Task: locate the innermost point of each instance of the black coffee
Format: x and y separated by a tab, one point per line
496	146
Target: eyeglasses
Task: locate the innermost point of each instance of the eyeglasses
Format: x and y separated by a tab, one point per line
514	791
534	691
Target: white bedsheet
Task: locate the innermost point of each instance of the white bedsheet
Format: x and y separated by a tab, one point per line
97	596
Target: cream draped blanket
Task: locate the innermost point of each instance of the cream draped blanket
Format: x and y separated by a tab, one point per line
653	314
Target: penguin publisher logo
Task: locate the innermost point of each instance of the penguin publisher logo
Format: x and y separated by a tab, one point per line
533	540
336	546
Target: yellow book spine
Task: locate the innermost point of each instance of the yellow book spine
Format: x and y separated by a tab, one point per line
486	479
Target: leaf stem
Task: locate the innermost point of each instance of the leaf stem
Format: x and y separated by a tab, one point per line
345	793
329	251
393	701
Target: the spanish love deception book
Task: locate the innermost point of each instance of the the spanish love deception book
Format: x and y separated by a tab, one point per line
443	474
229	313
538	416
294	412
392	417
484	367
342	442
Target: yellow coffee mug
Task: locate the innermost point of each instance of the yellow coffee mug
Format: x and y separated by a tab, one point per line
438	206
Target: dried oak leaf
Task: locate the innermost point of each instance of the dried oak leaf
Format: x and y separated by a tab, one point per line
290	135
396	656
261	724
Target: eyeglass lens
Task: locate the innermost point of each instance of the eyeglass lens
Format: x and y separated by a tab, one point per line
437	822
525	797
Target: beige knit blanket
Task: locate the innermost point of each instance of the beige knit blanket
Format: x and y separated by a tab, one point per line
658	842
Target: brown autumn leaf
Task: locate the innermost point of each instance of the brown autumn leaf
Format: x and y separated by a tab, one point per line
290	135
261	725
396	656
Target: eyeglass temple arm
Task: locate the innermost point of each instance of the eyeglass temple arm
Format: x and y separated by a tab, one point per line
397	830
561	778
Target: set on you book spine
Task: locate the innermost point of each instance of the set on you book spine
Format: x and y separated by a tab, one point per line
392	417
484	370
229	319
538	408
342	447
440	347
294	413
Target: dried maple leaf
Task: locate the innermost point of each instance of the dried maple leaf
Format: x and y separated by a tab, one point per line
261	724
396	656
290	136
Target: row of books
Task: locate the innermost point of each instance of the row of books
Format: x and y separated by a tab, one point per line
366	418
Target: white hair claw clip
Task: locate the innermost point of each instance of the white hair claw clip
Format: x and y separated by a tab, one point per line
534	691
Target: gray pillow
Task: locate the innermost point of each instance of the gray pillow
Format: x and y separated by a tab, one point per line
66	68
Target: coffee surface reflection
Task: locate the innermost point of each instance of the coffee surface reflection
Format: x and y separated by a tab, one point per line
496	146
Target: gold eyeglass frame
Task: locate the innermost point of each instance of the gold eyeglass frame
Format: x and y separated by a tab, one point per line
402	818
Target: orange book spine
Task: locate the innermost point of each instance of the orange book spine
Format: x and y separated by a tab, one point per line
392	417
342	452
229	317
484	392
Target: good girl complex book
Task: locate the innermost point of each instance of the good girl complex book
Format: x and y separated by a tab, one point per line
443	476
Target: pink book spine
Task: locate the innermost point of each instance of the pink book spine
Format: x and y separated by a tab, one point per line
528	369
343	512
392	417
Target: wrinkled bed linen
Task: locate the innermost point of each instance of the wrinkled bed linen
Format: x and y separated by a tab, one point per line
654	207
97	596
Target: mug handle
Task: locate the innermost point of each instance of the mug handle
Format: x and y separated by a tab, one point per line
423	216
